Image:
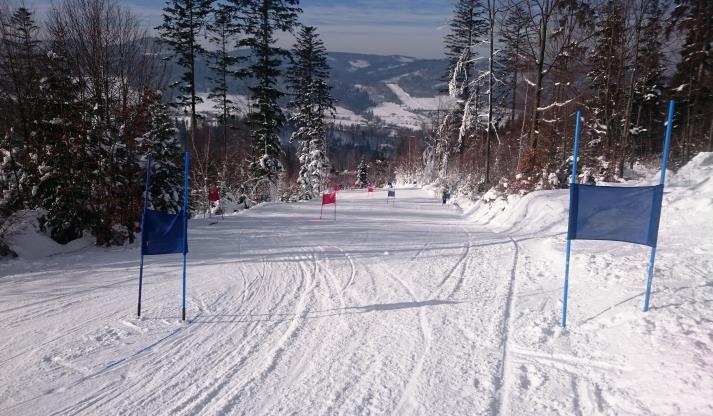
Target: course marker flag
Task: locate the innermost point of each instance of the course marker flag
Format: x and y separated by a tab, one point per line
391	196
163	232
330	198
628	214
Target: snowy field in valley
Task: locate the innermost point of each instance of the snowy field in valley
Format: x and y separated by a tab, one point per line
408	309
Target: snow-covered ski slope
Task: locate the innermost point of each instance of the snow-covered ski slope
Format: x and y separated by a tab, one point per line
408	309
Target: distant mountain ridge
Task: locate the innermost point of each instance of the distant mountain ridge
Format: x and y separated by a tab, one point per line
391	90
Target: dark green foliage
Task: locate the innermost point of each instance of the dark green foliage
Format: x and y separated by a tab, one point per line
692	82
161	141
19	88
64	188
183	22
262	19
363	173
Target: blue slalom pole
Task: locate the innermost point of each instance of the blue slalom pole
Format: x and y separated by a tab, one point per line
143	215
573	181
664	165
185	231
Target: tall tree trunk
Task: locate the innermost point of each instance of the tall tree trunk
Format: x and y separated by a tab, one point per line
491	21
542	44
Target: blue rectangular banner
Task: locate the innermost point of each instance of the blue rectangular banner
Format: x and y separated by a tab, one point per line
163	233
629	214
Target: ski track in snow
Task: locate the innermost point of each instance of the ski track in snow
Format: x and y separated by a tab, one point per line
407	310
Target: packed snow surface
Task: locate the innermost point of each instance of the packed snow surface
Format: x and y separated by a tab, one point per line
412	308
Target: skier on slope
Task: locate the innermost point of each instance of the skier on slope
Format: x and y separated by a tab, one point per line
214	197
445	195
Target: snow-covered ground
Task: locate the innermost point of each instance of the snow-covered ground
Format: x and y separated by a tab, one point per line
359	64
398	115
440	102
346	117
415	308
208	106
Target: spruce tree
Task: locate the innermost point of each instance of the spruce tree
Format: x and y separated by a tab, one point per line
161	141
263	18
692	82
108	157
311	104
468	28
222	33
513	37
19	91
64	188
606	76
363	173
649	86
183	22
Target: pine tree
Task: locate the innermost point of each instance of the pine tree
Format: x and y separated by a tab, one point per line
468	28
161	141
311	103
12	176
64	188
262	19
513	37
108	157
19	76
363	173
223	31
183	21
649	85
607	76
692	83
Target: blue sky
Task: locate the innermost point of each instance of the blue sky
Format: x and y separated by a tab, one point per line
404	27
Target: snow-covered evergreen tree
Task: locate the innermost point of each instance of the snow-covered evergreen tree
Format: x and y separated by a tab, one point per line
64	186
311	104
692	82
607	77
161	141
19	90
648	99
108	157
12	176
362	174
263	18
468	28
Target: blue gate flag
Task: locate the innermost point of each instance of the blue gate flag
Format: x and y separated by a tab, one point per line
163	233
391	194
629	214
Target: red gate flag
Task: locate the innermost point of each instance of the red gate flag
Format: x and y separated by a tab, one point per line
370	189
330	198
327	199
214	196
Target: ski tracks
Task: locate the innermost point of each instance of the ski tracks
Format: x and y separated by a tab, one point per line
503	375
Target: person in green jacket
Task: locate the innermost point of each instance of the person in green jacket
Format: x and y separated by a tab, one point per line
445	195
